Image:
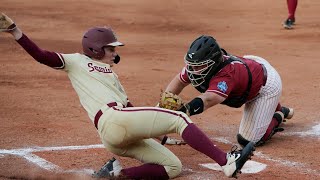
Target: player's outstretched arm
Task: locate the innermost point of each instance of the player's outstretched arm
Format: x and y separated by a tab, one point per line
45	57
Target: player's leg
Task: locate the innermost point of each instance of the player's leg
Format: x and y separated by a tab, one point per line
259	114
256	119
292	6
290	21
278	118
159	162
123	126
126	125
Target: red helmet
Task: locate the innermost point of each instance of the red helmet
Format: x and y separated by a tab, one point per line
96	38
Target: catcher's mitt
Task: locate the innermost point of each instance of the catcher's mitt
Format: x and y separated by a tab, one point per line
171	101
6	24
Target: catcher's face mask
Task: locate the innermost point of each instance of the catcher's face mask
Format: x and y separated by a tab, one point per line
198	71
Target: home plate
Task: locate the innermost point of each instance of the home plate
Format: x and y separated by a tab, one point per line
249	167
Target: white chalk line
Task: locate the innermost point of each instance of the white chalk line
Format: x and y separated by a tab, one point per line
27	154
41	162
314	131
39	149
197	175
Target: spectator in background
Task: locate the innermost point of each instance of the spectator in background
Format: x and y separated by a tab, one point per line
290	21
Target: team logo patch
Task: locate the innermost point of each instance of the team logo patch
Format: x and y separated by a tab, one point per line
222	86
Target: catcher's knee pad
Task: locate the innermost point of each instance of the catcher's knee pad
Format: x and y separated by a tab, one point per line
241	140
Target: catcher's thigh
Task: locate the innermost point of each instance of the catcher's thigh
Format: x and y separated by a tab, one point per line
259	112
150	151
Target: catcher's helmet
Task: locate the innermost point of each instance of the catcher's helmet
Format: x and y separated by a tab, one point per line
202	59
96	38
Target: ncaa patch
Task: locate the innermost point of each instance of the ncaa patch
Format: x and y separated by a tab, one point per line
222	86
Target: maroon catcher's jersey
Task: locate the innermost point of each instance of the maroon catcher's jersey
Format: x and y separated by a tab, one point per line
232	80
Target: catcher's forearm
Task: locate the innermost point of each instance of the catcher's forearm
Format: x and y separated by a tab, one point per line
176	86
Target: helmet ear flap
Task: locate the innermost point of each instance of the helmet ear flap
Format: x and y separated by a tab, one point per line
97	54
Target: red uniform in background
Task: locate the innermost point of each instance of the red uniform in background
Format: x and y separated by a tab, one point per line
290	21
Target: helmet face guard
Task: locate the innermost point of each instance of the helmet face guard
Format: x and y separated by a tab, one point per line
197	72
202	59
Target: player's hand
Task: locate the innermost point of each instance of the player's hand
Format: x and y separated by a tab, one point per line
6	24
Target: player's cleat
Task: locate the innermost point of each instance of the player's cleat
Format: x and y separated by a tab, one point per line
287	112
111	169
236	160
287	24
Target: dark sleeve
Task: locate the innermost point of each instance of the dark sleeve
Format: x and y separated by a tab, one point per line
48	58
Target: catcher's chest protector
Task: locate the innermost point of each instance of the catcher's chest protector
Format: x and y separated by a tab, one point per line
235	102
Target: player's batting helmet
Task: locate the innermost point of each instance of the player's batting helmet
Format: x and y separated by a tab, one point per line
202	59
96	38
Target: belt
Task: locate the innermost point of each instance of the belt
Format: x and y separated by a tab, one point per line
99	113
265	75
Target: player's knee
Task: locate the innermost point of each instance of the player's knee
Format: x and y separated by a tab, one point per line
241	140
174	169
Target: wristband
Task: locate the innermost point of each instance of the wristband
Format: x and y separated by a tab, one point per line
195	106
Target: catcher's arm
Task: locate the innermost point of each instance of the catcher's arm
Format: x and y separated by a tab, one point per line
176	85
211	99
201	103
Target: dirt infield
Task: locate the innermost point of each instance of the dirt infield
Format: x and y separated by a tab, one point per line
45	133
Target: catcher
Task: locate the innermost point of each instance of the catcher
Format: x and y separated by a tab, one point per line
125	130
222	78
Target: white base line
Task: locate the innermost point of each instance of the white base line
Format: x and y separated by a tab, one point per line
27	154
41	162
38	149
